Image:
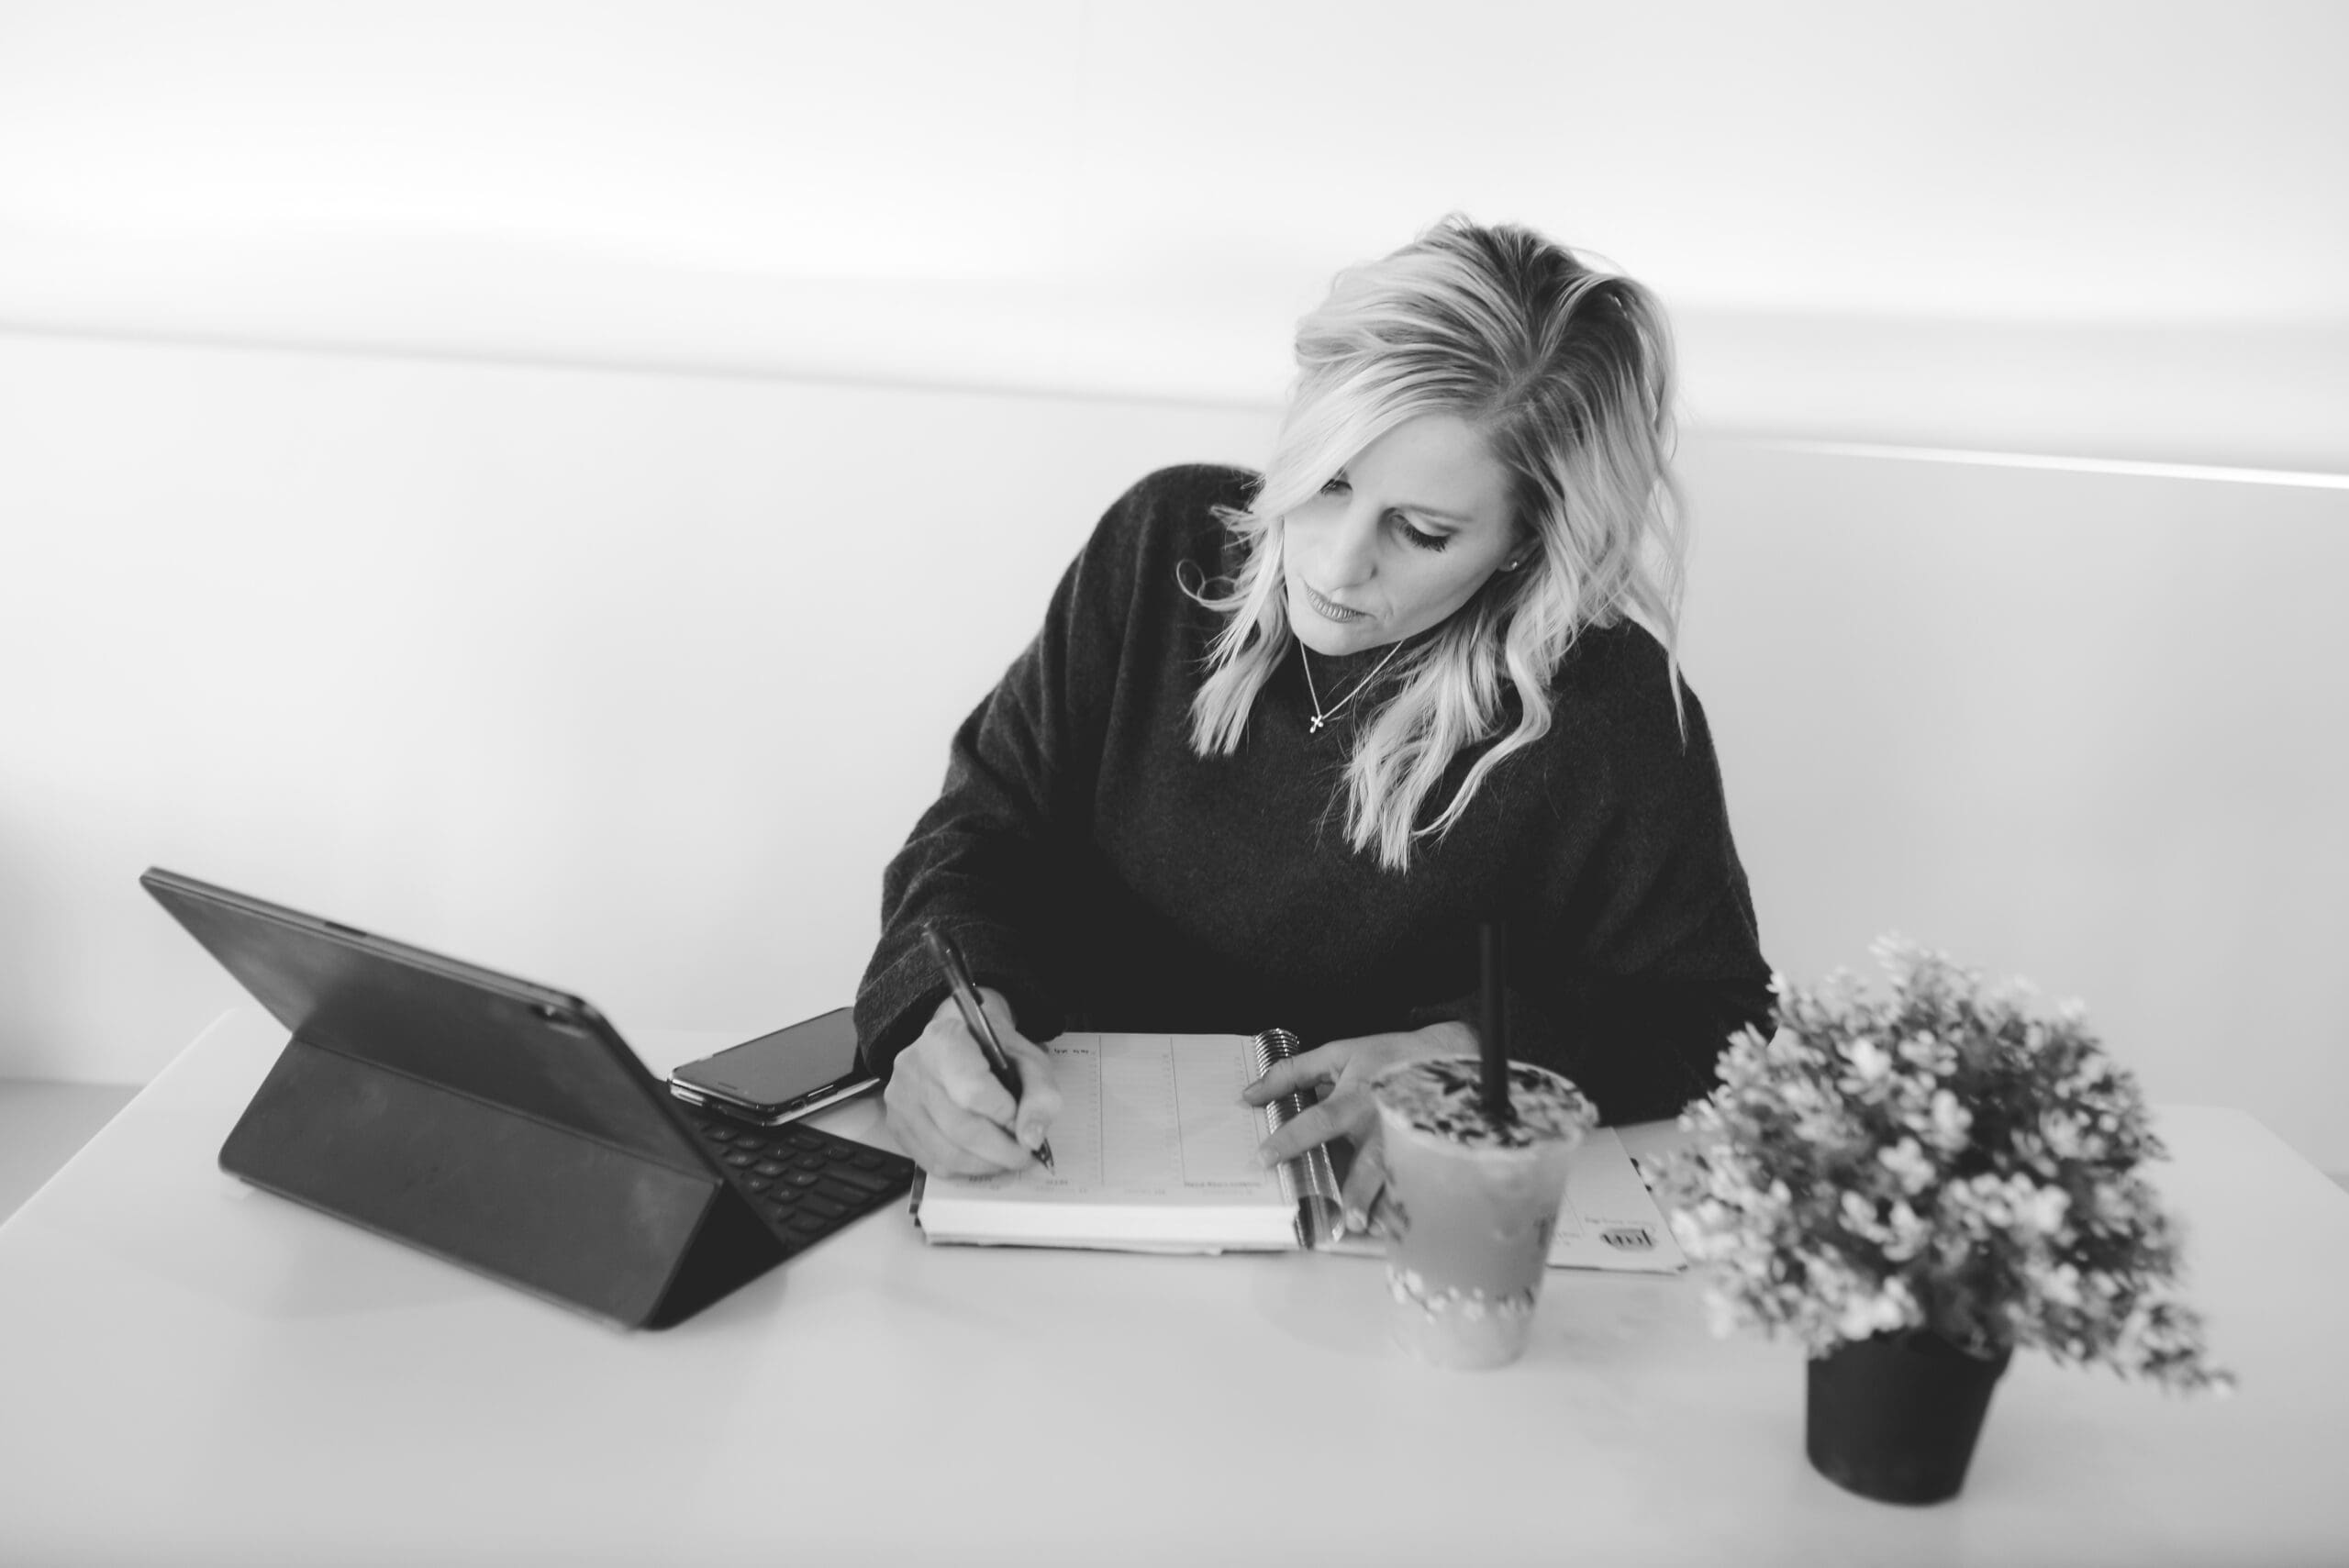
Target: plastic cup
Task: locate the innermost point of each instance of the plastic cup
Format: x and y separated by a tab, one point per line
1471	1204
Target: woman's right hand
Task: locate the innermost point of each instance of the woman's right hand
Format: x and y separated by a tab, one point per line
948	1112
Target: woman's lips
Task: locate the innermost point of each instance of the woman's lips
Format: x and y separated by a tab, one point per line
1330	609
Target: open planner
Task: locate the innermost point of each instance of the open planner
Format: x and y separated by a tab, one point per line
1156	1152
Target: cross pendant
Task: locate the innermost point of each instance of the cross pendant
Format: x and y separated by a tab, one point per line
1319	720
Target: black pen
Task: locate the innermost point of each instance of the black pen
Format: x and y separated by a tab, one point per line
974	1018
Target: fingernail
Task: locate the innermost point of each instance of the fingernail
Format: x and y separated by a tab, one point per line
1357	1220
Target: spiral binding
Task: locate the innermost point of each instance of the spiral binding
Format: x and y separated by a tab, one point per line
1310	1179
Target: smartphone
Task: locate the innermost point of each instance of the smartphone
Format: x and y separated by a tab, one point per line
779	1077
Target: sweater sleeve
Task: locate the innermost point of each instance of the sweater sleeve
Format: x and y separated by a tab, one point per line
993	858
1652	961
1633	949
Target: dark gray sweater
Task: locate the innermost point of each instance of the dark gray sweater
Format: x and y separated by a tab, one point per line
1101	875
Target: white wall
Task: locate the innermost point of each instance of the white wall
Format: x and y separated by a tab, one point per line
2081	726
625	683
2126	160
2045	224
633	683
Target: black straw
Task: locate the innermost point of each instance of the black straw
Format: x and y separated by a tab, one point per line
1492	943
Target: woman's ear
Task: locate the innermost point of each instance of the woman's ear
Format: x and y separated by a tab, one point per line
1524	543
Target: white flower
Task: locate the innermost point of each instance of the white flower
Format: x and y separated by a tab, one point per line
1924	1050
2043	1209
2062	1131
1952	1122
2061	1284
1908	1163
1870	1061
1881	1312
1859	1217
1909	1232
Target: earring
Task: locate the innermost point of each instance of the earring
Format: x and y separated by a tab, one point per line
1513	565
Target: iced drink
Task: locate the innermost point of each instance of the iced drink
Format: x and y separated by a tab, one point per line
1471	1203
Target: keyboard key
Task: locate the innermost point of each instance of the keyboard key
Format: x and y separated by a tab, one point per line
809	1183
863	1181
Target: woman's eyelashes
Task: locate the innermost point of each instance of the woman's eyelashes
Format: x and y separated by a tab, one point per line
1339	484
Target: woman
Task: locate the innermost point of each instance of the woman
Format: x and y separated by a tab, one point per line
1283	743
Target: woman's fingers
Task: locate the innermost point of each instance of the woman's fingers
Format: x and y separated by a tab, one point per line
940	1134
1039	1096
933	1149
951	1112
1305	1070
959	1072
976	1088
1346	1114
1364	1182
910	1125
981	1138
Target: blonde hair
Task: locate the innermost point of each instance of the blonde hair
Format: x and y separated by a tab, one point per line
1567	372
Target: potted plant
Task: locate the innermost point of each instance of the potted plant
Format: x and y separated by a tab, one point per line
1913	1184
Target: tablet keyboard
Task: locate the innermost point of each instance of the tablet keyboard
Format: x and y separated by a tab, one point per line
805	1183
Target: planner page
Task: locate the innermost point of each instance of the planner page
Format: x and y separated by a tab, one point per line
1153	1149
1609	1219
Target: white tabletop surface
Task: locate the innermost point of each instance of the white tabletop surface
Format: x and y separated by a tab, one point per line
192	1371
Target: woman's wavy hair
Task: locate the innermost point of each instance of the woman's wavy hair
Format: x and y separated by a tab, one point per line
1567	372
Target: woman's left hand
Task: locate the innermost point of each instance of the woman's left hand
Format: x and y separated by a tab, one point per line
1341	1072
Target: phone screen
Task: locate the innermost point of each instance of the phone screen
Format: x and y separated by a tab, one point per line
776	1069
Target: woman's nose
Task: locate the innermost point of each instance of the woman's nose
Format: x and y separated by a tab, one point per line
1354	557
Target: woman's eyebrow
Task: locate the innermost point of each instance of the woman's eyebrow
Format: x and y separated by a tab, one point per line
1457	519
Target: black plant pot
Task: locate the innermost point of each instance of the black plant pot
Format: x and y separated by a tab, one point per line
1895	1417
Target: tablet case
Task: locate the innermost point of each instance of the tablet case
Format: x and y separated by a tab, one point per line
487	1120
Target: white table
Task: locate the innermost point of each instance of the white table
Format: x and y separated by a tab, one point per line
192	1371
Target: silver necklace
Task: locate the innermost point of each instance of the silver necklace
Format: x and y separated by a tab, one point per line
1322	716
